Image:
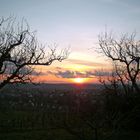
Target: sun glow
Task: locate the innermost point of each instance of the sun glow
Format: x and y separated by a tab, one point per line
79	80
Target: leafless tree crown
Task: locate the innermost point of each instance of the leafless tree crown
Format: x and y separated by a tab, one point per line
125	53
20	51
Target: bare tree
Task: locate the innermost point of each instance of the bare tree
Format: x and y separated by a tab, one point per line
109	81
125	53
20	51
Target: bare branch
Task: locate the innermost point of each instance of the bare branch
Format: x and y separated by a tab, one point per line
20	49
124	52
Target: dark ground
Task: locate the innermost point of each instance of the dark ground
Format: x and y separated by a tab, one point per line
67	112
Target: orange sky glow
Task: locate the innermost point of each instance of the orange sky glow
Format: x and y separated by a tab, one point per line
69	71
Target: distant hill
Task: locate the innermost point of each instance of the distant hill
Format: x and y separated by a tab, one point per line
46	87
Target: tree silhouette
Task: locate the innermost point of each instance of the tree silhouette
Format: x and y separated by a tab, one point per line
20	51
125	54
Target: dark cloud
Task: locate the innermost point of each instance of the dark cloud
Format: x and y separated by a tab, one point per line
61	72
90	74
74	74
65	74
102	73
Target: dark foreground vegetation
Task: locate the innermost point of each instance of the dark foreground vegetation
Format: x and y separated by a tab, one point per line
77	114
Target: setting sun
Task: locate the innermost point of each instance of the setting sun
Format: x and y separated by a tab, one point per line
79	80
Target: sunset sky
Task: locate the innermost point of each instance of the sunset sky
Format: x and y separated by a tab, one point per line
75	24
